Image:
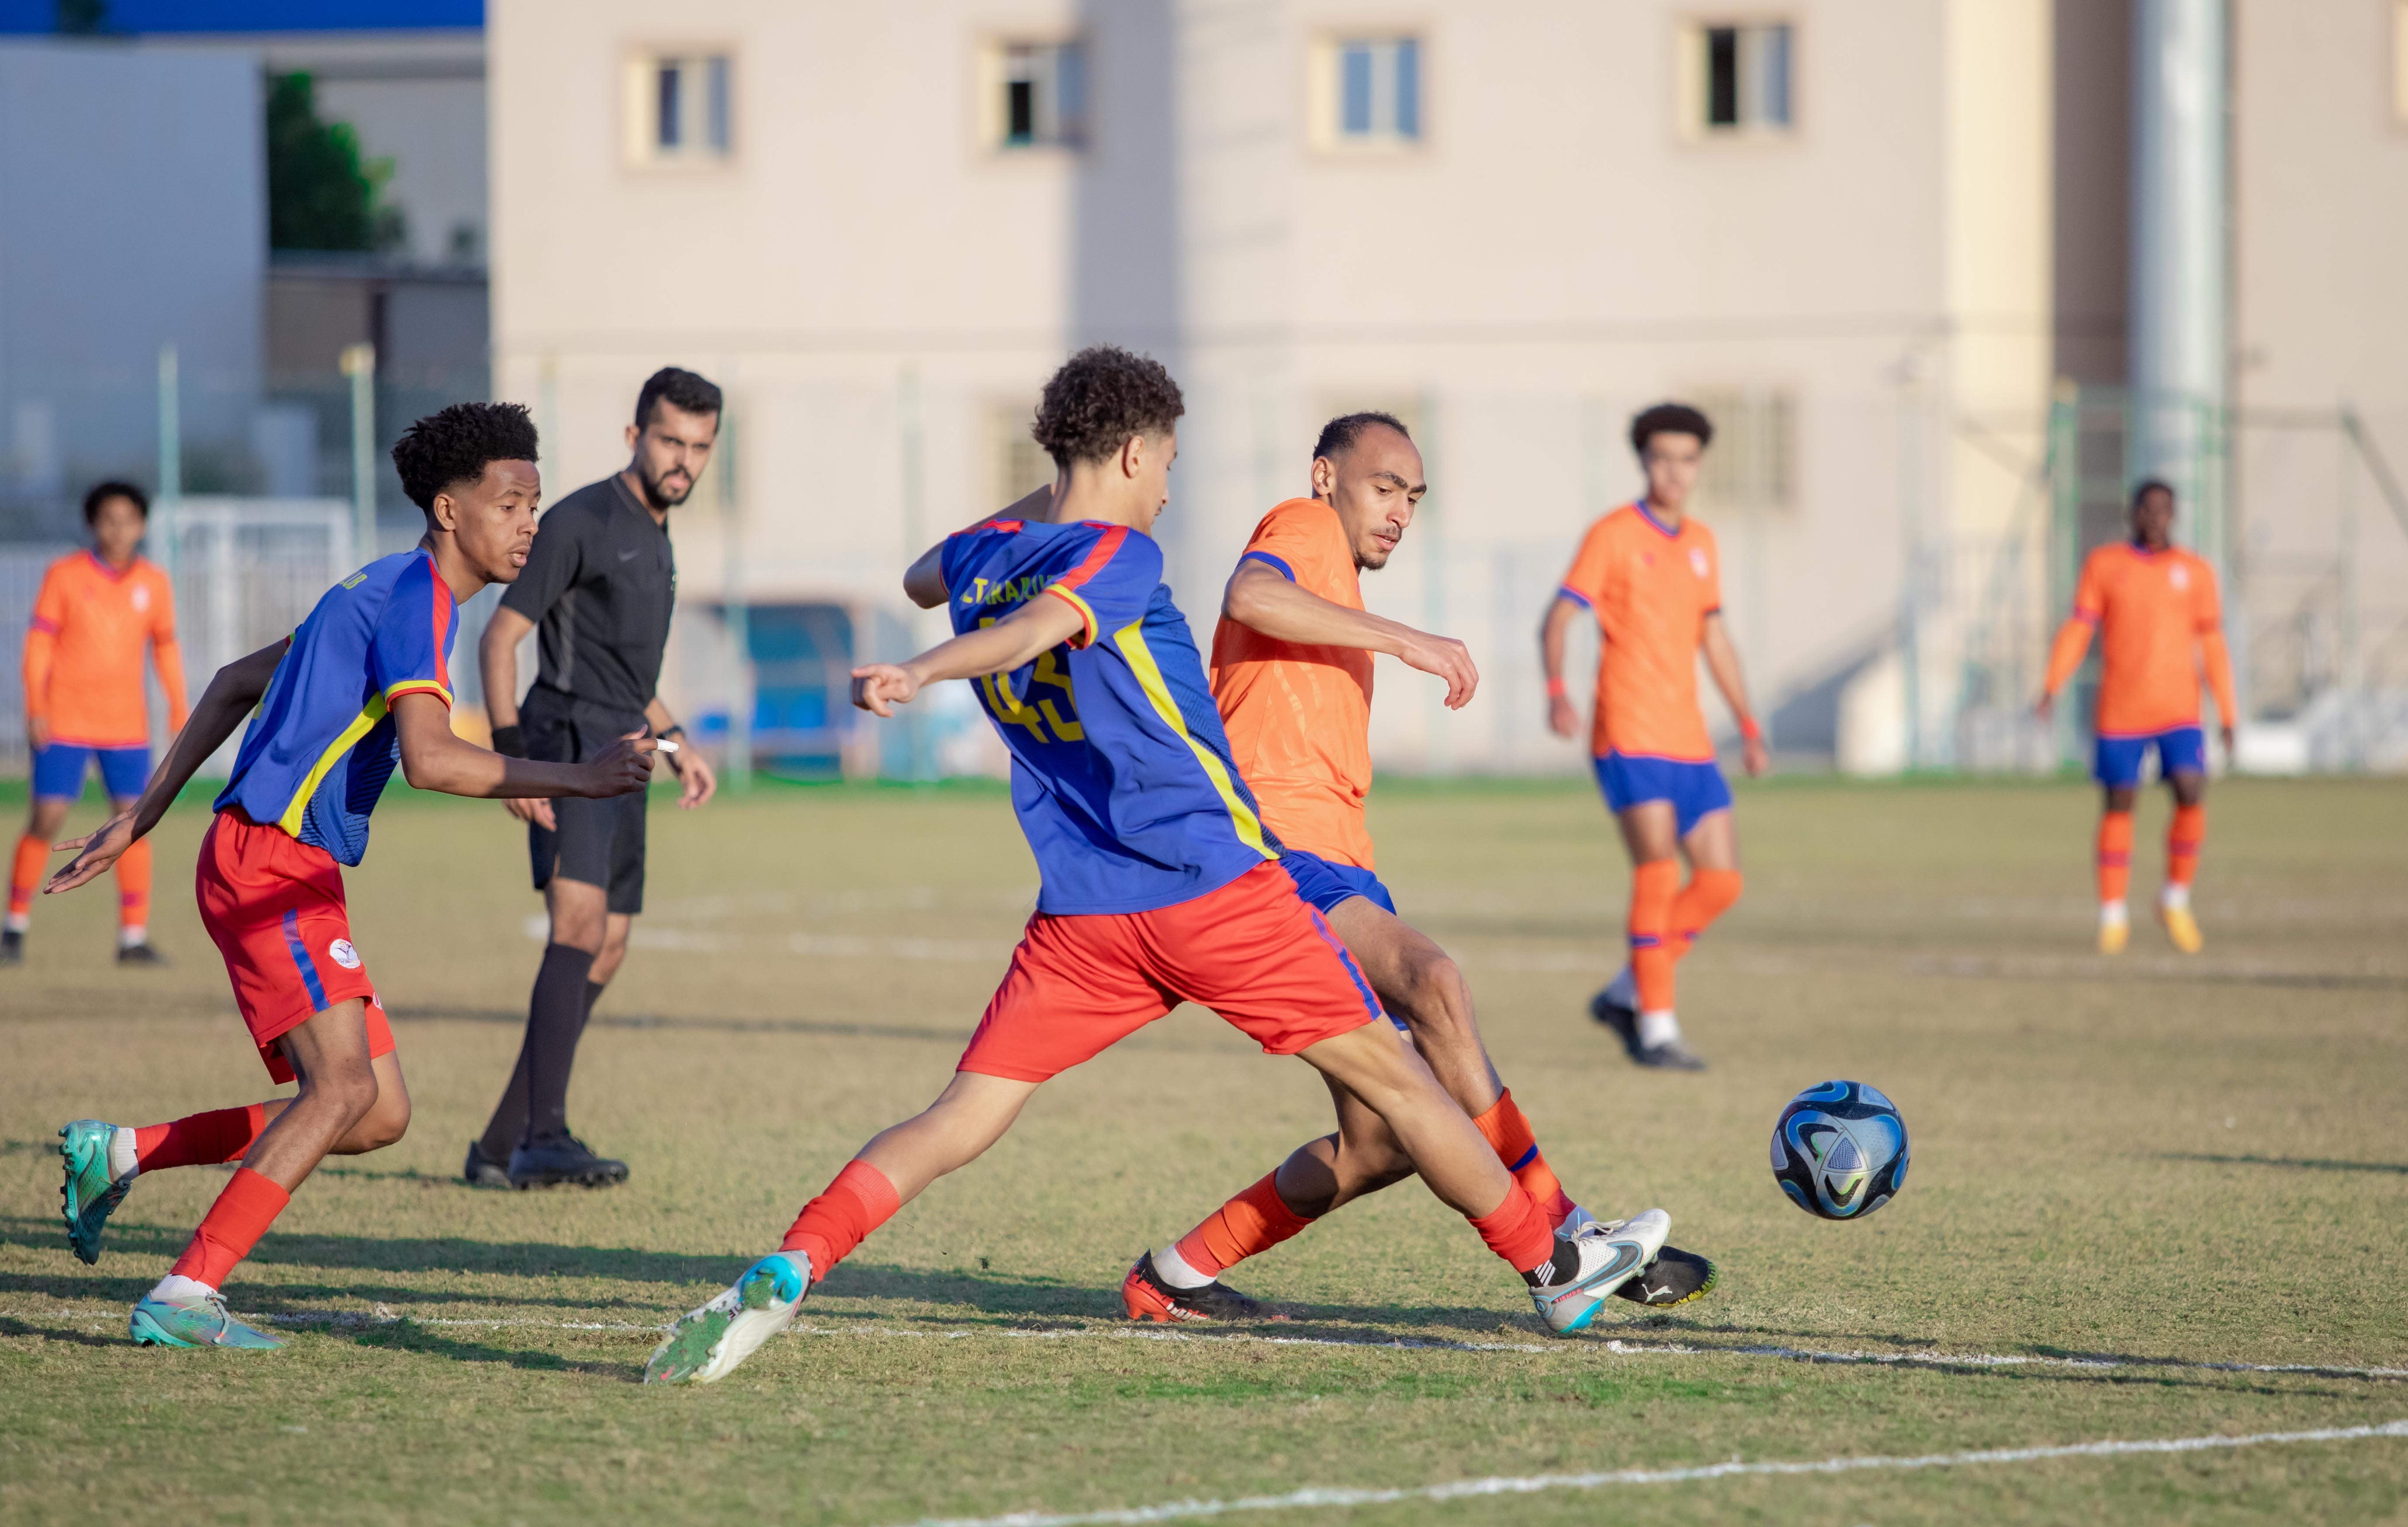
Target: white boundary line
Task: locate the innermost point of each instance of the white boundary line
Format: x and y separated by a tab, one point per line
1531	1484
383	1314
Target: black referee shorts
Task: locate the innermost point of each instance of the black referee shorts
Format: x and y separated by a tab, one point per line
597	842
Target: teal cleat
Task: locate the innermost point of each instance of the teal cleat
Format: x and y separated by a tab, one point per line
91	1192
202	1322
707	1345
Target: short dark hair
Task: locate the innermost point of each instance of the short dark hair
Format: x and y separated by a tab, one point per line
1670	419
693	394
1340	435
456	443
1100	397
2146	485
103	492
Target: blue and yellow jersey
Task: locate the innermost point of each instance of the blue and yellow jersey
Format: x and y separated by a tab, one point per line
323	744
1120	772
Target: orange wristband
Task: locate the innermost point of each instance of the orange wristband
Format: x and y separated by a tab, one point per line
1749	730
1556	690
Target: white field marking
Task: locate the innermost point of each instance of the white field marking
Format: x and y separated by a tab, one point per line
1529	1484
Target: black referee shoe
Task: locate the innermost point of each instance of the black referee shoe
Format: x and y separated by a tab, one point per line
550	1161
483	1171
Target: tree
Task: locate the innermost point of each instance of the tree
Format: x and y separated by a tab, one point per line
320	193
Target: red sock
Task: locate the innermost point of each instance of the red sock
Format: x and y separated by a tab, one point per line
1653	886
1247	1225
202	1139
2115	855
232	1227
133	885
25	874
2184	840
831	1225
1707	896
1517	1230
1507	1133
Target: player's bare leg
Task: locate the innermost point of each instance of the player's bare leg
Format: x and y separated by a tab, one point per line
2183	837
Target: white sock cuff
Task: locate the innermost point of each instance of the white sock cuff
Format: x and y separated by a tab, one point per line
19	921
1658	1028
131	935
122	1164
2113	912
1173	1268
2173	896
176	1286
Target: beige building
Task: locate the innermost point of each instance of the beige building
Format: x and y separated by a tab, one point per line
1841	225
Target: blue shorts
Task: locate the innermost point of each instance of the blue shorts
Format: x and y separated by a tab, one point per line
1324	885
59	770
1696	791
2181	750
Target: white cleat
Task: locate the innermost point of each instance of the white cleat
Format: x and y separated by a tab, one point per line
1610	1254
707	1345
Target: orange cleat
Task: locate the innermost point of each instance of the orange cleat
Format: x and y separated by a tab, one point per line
1147	1297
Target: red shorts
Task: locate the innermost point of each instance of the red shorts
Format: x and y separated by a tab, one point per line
1252	951
274	907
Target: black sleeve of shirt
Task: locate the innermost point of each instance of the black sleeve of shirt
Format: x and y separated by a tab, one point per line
554	564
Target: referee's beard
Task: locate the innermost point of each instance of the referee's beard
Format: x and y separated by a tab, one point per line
661	493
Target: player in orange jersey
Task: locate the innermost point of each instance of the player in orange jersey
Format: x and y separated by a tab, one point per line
1292	679
2159	625
97	612
1652	578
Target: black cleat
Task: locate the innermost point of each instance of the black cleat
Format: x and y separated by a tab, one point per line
12	946
143	953
556	1159
1671	1055
1674	1277
483	1171
1147	1297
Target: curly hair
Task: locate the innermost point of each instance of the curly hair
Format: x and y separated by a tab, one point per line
454	444
1670	419
1100	397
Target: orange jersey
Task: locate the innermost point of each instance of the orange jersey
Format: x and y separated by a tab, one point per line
1299	718
2159	623
1651	590
83	652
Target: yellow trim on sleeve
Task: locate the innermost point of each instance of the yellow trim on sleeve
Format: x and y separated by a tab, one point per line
371	713
417	686
1086	613
1131	641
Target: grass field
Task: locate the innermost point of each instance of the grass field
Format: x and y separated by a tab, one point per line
2155	1165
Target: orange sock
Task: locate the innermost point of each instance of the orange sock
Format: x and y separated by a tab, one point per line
1245	1226
1517	1230
1653	886
201	1139
25	878
831	1225
133	885
233	1226
1507	1133
1707	896
2184	840
2115	855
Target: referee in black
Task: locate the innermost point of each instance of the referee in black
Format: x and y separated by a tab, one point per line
599	584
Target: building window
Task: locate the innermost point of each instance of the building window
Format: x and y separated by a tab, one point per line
1736	78
1753	463
680	108
1367	93
1034	94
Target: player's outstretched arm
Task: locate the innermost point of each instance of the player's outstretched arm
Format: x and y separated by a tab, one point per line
434	758
1260	599
1563	717
923	581
230	697
1722	662
1038	626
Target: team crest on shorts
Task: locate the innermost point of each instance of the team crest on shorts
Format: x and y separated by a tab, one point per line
1698	560
342	953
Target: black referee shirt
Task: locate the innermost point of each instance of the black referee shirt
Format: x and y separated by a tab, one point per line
599	584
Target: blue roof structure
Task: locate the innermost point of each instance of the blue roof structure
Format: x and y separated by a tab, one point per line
128	18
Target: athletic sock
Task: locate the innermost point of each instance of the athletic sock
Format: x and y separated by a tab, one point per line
1656	1029
1707	896
134	895
1508	1131
1653	886
555	1018
24	879
831	1225
2184	839
201	1139
1247	1225
508	1126
233	1226
2115	857
1517	1230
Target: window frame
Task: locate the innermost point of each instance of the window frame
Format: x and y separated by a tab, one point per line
989	115
1691	86
1325	93
640	101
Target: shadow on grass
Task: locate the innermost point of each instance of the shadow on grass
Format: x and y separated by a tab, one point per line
2293	1162
406	1335
10	1326
959	1036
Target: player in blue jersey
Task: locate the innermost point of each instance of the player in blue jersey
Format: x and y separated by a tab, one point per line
1159	883
363	685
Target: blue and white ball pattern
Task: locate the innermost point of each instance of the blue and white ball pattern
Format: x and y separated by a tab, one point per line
1839	1150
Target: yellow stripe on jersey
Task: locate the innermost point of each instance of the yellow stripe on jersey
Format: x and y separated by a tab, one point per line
370	714
1131	641
1086	613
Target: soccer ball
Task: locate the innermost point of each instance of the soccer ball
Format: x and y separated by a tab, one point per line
1839	1150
